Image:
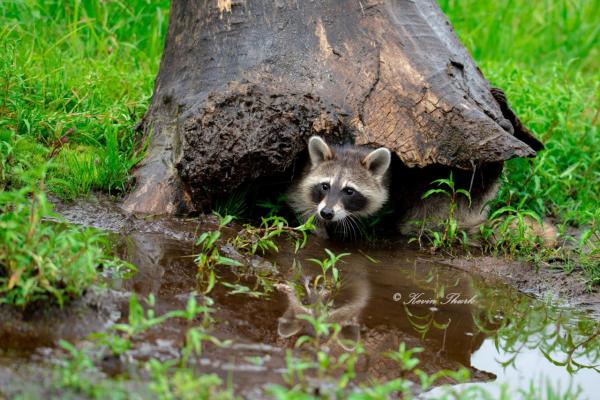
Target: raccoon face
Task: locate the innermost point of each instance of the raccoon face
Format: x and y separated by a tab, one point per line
342	182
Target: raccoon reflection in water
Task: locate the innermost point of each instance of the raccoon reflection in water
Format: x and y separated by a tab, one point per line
338	304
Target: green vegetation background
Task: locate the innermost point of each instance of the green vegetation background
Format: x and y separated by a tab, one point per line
76	76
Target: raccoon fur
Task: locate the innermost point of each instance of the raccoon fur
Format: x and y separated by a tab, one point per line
415	213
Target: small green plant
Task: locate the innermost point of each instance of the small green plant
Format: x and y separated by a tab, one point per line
106	169
512	231
444	233
235	204
382	391
250	241
7	158
78	364
210	256
535	390
274	207
588	250
262	238
322	331
194	340
236	288
168	383
339	370
78	375
170	379
407	364
264	283
328	266
324	334
119	337
319	293
370	227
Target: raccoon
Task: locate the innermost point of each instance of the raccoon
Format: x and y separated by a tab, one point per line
341	184
345	183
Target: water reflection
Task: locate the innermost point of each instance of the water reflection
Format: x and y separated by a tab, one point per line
341	305
386	297
389	297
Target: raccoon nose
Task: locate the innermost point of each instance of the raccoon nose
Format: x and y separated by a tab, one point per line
327	213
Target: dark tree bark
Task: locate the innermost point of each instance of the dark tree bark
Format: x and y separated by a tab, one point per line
243	84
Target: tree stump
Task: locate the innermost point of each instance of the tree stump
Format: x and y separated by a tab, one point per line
243	84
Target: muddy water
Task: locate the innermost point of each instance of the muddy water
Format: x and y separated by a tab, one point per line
387	296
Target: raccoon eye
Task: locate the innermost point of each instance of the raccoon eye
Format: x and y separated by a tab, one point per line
325	186
348	191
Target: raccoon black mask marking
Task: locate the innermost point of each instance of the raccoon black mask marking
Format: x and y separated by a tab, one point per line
341	182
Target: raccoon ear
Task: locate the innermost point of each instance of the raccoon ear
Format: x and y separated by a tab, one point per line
318	150
378	161
350	335
288	325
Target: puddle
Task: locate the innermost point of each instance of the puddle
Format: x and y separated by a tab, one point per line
385	298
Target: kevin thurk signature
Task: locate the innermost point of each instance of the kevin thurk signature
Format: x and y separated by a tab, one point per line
419	298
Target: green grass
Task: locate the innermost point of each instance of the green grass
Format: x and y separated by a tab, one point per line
545	55
76	78
528	33
42	260
560	105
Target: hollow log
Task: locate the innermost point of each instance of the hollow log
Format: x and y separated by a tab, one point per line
243	84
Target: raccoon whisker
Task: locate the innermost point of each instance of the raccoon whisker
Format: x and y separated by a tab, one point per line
354	224
348	224
360	224
341	226
357	223
356	229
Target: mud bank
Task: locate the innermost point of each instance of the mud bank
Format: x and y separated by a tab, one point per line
44	324
547	282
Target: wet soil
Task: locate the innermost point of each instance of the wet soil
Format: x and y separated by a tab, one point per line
547	282
387	296
44	324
